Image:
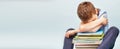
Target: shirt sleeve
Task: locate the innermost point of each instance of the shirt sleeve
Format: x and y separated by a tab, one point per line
101	13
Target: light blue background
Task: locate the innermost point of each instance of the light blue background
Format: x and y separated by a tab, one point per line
41	24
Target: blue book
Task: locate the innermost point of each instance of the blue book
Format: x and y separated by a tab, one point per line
99	33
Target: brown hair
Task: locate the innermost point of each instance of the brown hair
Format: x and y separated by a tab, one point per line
85	11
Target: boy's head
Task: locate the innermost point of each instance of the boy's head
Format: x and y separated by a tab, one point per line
85	11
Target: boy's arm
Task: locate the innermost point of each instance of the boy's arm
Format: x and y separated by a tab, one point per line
93	26
72	32
95	29
88	27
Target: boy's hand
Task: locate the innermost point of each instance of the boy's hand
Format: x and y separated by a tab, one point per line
69	33
104	20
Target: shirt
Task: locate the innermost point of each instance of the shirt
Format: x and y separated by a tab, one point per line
105	27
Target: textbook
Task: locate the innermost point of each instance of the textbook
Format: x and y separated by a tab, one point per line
95	46
78	39
99	33
88	40
88	37
87	47
96	43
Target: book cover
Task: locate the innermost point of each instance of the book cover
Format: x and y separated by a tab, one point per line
92	34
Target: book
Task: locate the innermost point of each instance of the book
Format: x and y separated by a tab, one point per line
79	39
95	47
99	33
86	47
88	43
88	40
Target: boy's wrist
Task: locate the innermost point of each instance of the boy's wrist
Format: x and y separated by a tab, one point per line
77	30
101	20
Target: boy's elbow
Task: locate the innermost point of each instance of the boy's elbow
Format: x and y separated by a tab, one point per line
93	30
82	29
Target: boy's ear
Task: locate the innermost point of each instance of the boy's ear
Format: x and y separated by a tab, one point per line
97	11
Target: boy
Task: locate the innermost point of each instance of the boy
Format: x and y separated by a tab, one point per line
90	23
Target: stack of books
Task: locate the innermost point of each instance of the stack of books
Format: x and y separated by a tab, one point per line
88	40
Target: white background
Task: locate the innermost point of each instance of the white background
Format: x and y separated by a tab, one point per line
41	24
